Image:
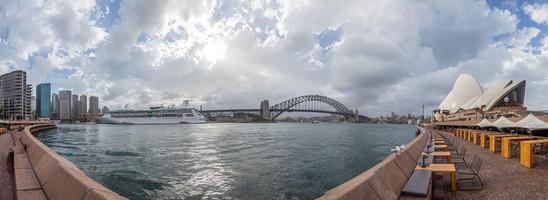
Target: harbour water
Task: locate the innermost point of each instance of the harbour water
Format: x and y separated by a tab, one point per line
225	161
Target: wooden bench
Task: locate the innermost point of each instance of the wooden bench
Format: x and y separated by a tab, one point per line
506	149
443	168
441	154
419	185
484	138
526	152
494	138
475	136
441	147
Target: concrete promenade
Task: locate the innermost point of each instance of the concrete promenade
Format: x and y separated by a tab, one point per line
31	170
502	178
6	168
505	178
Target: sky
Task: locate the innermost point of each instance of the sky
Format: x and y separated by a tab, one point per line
375	56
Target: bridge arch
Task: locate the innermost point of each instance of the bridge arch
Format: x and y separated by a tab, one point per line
286	106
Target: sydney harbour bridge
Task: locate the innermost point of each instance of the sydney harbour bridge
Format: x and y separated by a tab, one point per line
307	103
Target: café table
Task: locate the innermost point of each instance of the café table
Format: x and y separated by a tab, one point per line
443	168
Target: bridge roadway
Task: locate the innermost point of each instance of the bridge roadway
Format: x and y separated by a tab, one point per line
306	103
258	111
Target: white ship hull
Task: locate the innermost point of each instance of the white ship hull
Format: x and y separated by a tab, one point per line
156	115
153	120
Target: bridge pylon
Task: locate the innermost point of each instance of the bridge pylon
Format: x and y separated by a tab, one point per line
265	110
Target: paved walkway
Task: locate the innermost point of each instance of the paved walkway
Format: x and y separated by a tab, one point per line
6	176
506	178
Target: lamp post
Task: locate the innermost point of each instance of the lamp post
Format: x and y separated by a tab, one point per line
530	132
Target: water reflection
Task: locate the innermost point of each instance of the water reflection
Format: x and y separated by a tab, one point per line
220	161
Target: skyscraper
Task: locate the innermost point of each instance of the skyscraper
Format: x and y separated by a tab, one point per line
83	106
15	97
65	97
43	96
28	102
33	104
93	105
74	109
54	106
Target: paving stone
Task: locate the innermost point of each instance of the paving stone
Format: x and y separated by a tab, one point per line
95	194
31	195
22	163
26	180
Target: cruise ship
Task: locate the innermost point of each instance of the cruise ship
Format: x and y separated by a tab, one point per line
155	115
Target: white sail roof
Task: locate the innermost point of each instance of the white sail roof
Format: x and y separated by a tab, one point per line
465	88
532	122
489	94
484	123
504	122
499	92
467	94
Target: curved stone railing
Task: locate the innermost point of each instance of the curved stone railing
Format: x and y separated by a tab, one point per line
58	178
384	180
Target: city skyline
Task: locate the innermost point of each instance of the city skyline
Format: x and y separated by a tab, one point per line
378	57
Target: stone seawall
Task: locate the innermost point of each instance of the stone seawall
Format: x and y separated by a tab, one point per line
386	179
43	172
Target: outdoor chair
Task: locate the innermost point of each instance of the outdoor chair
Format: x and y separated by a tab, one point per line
541	149
473	171
459	156
514	145
454	148
450	141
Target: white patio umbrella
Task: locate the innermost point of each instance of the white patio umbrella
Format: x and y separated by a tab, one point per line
532	123
485	123
504	122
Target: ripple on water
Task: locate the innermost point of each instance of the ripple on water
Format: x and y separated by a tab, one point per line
63	146
132	184
122	153
225	161
76	155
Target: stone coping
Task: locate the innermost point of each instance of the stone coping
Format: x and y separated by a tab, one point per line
386	179
56	176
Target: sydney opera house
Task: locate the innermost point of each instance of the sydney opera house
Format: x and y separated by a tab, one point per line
469	101
499	106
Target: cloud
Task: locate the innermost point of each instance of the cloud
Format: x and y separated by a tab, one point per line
537	12
455	35
376	56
